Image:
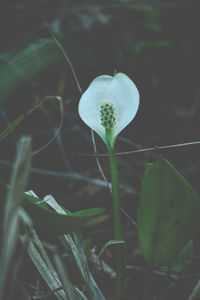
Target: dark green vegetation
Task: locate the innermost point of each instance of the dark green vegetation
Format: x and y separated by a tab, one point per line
157	44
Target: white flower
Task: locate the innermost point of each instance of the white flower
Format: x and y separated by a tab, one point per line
118	95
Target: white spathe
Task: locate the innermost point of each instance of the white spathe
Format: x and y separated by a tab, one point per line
119	90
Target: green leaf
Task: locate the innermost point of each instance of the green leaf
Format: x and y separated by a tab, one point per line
91	212
152	16
153	19
11	127
23	65
168	213
51	223
140	46
183	259
88	246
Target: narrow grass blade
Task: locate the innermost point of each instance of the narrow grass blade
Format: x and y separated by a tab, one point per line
67	286
12	208
11	127
45	267
51	280
77	248
196	292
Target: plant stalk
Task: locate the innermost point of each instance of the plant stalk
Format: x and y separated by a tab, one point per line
120	248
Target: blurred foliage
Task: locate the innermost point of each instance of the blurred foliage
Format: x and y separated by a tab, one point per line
183	259
22	66
147	44
11	127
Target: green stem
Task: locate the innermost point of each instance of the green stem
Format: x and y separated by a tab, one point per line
119	249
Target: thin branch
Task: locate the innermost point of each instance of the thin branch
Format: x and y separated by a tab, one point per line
57	131
98	162
75	176
155	148
66	56
156	272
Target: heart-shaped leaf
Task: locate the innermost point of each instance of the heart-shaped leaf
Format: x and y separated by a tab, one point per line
168	214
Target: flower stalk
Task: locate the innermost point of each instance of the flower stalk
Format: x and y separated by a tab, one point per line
108	105
120	248
115	187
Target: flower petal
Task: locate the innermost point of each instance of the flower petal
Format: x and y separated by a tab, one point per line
125	99
120	91
90	104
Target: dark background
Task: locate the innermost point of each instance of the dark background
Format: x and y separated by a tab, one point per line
156	43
